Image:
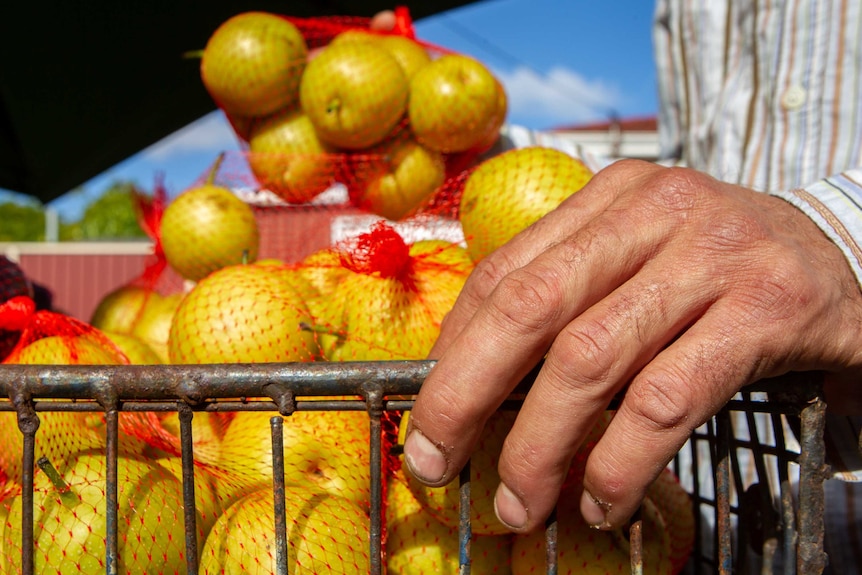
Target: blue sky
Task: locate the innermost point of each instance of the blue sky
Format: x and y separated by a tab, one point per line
561	61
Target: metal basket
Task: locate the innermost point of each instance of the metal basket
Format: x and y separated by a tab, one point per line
755	496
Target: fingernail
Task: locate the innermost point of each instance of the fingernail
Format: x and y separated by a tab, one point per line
594	511
423	458
509	509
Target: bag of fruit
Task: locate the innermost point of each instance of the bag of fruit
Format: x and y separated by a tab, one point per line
322	101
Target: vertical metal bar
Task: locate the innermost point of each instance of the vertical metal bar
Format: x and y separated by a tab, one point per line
636	543
551	543
374	404
185	414
279	513
28	424
810	556
722	484
111	490
465	526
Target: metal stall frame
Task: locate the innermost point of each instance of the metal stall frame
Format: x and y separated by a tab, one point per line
783	526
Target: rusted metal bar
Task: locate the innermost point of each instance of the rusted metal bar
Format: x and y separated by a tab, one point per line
636	543
722	485
374	397
465	527
28	424
278	495
185	415
810	558
551	543
112	506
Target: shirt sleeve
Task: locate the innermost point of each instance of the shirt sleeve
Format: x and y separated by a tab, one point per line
835	205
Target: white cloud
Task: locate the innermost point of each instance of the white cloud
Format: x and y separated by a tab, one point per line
211	134
562	96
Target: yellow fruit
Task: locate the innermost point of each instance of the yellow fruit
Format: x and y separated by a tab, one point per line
154	323
241	314
355	94
675	506
418	544
70	519
454	103
588	551
409	54
207	228
409	175
288	158
61	434
443	502
253	62
324	450
134	348
325	534
507	193
396	296
118	310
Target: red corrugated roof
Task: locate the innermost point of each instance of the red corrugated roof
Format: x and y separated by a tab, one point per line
638	124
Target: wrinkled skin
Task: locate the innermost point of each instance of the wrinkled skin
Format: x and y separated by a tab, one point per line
664	280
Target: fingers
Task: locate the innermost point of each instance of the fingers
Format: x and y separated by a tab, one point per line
510	331
571	215
679	390
586	365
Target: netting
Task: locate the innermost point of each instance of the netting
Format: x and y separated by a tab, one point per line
343	230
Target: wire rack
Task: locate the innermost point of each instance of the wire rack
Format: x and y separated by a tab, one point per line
755	471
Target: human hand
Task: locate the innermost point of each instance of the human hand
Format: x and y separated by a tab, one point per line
664	282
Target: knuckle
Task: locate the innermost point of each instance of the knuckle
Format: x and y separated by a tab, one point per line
587	348
527	300
659	402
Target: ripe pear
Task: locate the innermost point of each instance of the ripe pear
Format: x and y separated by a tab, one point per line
119	309
418	544
443	502
325	534
287	157
70	519
675	506
61	434
207	503
507	193
241	314
396	296
409	54
323	450
355	94
454	103
206	228
154	324
253	62
409	174
582	549
134	348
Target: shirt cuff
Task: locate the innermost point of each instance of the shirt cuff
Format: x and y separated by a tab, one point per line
835	205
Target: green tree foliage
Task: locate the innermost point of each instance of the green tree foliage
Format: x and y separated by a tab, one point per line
111	217
22	222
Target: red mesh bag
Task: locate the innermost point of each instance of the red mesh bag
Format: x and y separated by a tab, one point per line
324	101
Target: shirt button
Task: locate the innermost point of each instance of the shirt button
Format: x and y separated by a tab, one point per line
793	98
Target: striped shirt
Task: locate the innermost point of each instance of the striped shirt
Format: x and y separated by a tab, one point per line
768	94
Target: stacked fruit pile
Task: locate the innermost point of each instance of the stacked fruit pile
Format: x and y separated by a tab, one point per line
375	296
319	102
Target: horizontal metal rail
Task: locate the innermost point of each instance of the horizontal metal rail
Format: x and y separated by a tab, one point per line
379	387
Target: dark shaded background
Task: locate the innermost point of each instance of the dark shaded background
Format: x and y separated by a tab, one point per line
84	84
